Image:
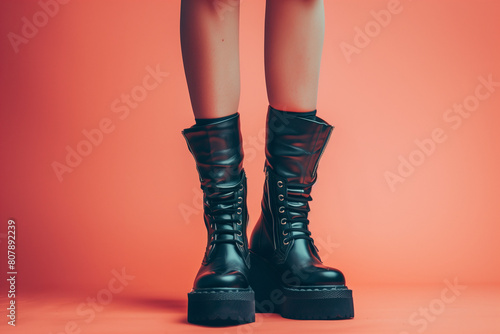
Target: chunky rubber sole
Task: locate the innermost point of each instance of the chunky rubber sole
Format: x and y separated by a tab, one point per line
305	303
221	307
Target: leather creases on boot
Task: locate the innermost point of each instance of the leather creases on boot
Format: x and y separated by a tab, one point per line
284	257
221	292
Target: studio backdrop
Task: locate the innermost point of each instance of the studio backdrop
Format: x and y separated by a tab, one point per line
99	180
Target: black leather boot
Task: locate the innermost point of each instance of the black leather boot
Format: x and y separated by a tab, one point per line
287	274
221	293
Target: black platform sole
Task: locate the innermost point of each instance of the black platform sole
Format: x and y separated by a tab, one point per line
221	307
306	303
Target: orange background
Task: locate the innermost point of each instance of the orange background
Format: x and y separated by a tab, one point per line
121	207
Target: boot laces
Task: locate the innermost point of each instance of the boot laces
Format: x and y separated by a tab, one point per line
296	201
225	202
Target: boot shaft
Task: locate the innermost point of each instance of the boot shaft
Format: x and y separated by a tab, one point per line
217	151
294	145
218	154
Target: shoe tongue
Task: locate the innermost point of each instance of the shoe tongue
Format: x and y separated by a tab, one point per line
302	248
300	215
301	253
225	249
226	254
225	226
302	245
224	222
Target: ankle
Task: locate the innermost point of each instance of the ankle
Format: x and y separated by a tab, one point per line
311	115
209	121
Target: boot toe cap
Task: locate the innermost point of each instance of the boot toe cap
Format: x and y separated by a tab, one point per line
234	279
327	276
320	276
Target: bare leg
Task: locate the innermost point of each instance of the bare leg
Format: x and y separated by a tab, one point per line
209	41
293	45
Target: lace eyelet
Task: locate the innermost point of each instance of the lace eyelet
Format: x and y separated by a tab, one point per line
241	188
283	221
280	184
281	209
239	222
281	197
239	233
240	210
286	243
240	200
285	233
